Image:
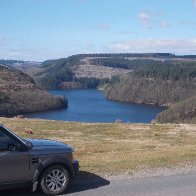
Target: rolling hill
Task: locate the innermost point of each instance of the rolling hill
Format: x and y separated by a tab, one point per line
19	94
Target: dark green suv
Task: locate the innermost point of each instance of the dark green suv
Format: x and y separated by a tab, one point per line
33	162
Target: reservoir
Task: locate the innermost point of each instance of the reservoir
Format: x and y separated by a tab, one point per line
90	105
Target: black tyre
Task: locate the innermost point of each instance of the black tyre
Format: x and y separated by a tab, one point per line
54	180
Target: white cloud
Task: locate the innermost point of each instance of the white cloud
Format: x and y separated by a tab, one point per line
178	46
144	18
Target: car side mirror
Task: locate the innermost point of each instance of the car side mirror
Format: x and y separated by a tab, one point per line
13	147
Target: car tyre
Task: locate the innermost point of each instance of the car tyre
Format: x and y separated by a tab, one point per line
54	180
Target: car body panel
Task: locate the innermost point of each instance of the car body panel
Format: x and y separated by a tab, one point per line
14	166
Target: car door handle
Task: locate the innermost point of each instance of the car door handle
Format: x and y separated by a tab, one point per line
35	160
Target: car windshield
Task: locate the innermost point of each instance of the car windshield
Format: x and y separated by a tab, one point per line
4	141
19	138
28	143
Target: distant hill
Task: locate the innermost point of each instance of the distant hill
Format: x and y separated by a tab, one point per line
19	94
79	70
92	70
19	64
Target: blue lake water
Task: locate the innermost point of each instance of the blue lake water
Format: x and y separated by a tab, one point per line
90	105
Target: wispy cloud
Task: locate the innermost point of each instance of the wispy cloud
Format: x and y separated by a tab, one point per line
31	54
164	24
127	32
194	3
103	26
153	18
178	46
3	40
187	23
144	18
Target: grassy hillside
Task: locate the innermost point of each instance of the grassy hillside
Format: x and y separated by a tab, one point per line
117	148
20	95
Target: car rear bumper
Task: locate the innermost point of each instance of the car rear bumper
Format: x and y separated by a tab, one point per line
76	166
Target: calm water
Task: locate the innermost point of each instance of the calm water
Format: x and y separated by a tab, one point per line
90	105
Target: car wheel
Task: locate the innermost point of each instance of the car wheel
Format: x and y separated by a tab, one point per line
54	180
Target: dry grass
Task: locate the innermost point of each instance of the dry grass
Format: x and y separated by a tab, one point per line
117	148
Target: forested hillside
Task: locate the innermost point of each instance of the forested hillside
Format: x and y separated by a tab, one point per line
182	112
149	91
92	70
164	83
171	70
19	94
79	71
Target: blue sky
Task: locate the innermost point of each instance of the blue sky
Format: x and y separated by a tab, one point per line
47	29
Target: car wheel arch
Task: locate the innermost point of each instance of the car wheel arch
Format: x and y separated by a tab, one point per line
51	162
50	165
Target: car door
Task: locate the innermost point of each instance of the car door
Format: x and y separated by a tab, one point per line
14	164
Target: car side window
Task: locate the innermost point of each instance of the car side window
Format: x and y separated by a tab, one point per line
5	141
